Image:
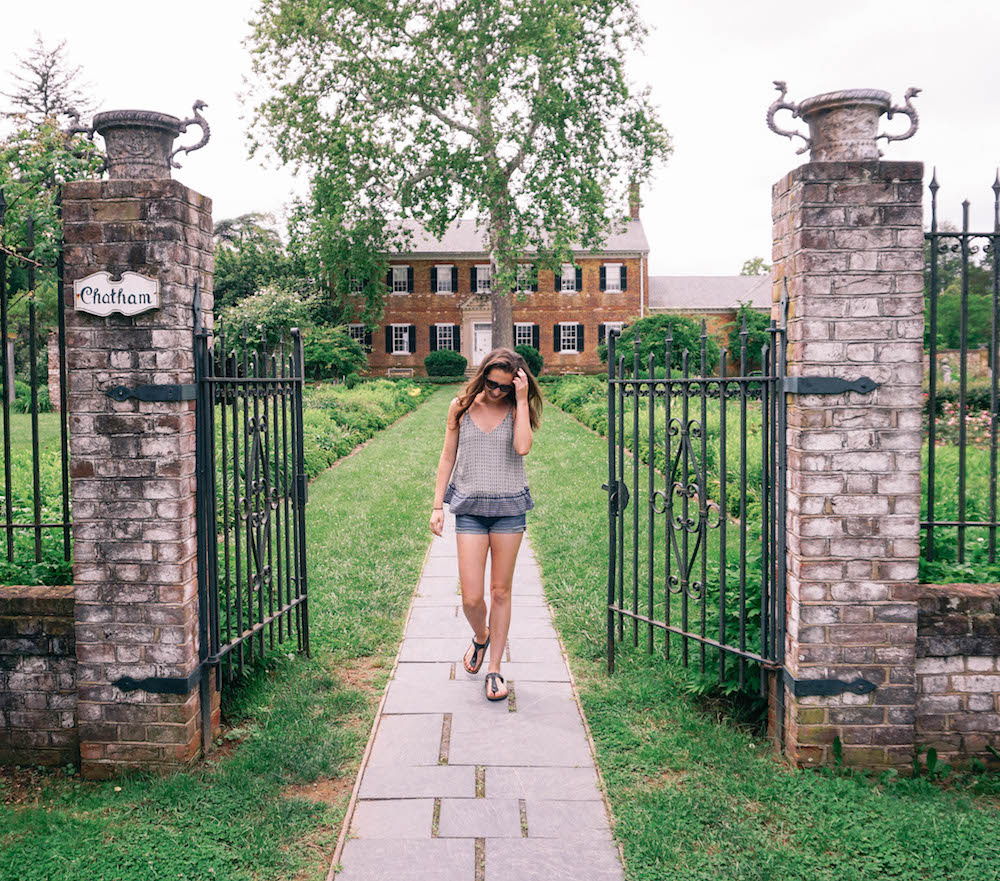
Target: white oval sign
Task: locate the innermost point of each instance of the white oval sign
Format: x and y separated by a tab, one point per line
99	295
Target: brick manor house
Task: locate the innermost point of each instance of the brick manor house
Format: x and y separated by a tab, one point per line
438	298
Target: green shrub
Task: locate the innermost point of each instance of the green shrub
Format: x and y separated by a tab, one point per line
533	357
266	315
22	398
652	333
445	362
330	352
351	380
977	394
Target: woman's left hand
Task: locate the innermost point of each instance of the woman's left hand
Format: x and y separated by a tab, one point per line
521	385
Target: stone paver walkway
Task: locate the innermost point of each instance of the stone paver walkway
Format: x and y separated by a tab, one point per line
457	788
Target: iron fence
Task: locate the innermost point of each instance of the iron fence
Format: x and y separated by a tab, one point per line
962	292
36	519
710	552
251	500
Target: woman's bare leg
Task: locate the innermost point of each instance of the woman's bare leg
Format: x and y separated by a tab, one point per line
472	550
503	554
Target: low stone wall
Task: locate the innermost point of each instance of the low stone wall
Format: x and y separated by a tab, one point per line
37	677
958	670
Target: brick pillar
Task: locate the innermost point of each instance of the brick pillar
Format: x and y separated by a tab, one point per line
52	350
133	472
848	240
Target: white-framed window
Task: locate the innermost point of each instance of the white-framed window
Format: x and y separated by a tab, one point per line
444	279
567	337
484	278
612	276
524	277
357	284
357	332
523	334
568	277
401	339
400	279
612	325
445	336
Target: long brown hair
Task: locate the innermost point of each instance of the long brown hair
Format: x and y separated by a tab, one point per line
509	361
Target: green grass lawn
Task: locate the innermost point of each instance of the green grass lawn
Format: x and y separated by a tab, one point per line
252	812
23	569
695	796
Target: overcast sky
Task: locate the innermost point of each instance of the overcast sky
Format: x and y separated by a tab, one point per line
710	66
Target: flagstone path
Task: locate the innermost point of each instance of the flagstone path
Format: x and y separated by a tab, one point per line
458	788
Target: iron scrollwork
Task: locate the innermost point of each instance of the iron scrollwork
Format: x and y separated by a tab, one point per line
680	518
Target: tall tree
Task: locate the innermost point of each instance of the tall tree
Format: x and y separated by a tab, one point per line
755	266
516	111
46	85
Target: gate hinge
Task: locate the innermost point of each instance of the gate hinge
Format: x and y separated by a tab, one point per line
188	392
619	495
163	684
826	687
828	385
303	488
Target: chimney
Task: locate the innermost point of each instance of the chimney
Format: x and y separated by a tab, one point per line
633	200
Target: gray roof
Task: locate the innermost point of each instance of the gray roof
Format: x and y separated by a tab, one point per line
698	293
463	237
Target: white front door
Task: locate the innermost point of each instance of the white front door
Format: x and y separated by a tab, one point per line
482	342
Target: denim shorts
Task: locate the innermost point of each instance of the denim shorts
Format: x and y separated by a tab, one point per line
474	524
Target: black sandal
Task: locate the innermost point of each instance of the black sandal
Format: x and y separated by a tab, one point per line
477	660
495	689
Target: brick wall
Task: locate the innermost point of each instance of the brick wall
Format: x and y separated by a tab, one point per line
53	369
958	670
133	472
37	676
848	240
544	307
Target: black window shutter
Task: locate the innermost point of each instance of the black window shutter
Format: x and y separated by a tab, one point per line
472	280
624	277
388	280
457	336
409	279
579	278
413	339
454	279
513	332
557	284
434	337
534	335
579	337
534	283
600	333
434	281
604	278
388	339
368	340
556	339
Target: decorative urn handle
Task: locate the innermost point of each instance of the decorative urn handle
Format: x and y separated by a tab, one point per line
843	125
198	120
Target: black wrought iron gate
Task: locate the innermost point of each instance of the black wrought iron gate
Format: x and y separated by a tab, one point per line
705	541
251	500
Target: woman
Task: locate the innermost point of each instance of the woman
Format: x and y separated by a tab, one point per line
489	432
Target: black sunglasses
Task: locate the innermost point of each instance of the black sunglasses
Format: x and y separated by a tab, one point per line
490	384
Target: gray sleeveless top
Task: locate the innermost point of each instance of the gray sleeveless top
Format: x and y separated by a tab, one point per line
488	478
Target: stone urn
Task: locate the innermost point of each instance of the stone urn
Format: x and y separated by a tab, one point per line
139	144
843	126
